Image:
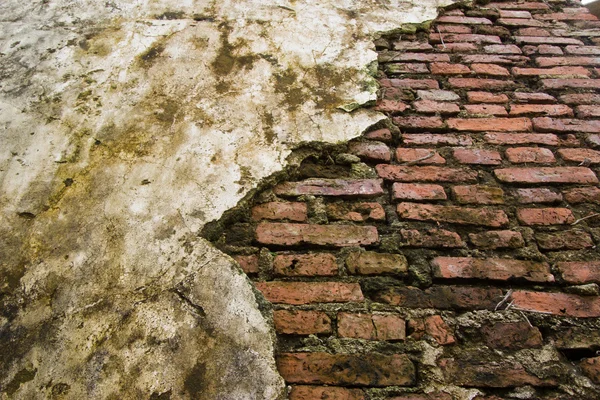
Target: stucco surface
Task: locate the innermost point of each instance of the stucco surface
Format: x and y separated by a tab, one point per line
125	126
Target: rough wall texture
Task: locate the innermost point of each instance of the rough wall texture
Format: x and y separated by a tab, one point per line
452	252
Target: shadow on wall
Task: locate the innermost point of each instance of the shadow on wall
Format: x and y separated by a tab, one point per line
594	7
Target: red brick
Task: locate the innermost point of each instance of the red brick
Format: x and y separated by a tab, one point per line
573	239
358	212
419	156
449	19
465	38
533	97
456	47
557	303
521	138
449	69
530	155
371	326
401	173
431	238
417	191
475	83
564	72
410	83
583	195
533	32
588	111
413	122
279	210
546	175
545	216
317	264
376	151
412	46
514	14
571	83
545	40
325	392
401	68
435	327
541	195
519	6
477	156
486	109
451	214
497	239
580	98
478	194
502	49
428	106
512	336
513	22
372	263
566	17
437	139
437	95
324	235
452	29
490	124
591	368
493	59
580	272
331	187
298	322
372	369
549	49
541	109
583	50
297	293
383	135
490	69
565	61
398	56
391	106
490	268
249	264
486	97
545	124
580	155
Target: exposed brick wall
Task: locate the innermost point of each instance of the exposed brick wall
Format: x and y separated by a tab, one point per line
452	253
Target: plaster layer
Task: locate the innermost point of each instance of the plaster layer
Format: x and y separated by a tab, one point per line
125	127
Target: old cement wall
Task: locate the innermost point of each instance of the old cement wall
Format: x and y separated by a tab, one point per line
126	126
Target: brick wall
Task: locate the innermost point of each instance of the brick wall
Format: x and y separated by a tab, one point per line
452	251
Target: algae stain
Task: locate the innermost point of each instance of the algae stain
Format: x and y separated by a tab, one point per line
150	56
287	83
195	382
23	376
228	57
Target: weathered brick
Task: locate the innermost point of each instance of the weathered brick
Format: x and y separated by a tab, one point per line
280	210
577	338
433	326
571	83
519	6
493	59
400	173
541	109
557	303
401	68
383	135
437	95
580	155
583	50
546	40
522	138
502	49
545	216
391	106
456	47
546	124
358	212
490	69
556	72
566	61
477	156
331	187
574	239
450	19
583	195
486	97
433	107
546	175
325	392
372	263
418	191
452	29
465	38
514	14
486	109
591	368
533	32
580	98
580	272
449	69
419	156
530	155
519	22
297	293
371	326
299	322
476	83
588	111
490	268
566	17
497	239
452	214
415	122
549	49
512	336
593	140
403	45
323	235
376	151
478	194
537	195
431	238
490	124
315	264
410	83
372	369
522	97
399	56
249	264
436	139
